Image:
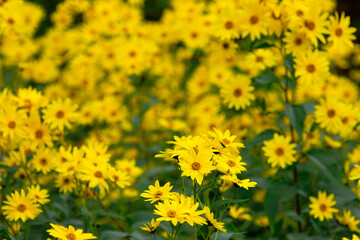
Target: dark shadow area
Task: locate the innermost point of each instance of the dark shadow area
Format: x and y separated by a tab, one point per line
352	9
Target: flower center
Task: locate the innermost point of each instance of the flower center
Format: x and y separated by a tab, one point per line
259	59
310	25
66	181
194	35
310	68
158	194
39	134
43	162
171	213
21	208
71	236
279	151
298	41
254	19
323	207
229	25
60	114
98	174
225	141
299	13
226	45
10	21
11	124
338	32
231	163
237	92
345	120
195	166
331	113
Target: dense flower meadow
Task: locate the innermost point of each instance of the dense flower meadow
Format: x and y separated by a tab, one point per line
236	119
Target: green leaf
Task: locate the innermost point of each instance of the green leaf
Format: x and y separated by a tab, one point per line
225	202
223	236
4	233
266	78
326	162
309	107
112	234
297	115
289	63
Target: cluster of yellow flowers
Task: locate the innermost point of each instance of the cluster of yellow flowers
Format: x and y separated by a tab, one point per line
88	101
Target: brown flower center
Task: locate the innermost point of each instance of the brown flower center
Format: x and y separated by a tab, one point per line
98	174
158	194
60	114
331	113
11	124
21	208
43	162
323	207
132	54
171	213
237	92
231	163
310	25
195	166
254	19
259	59
229	25
226	141
310	68
338	32
71	236
299	13
298	41
279	151
39	134
66	181
345	120
10	21
226	45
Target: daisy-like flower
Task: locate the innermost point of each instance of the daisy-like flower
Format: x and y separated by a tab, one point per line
196	165
341	34
244	183
211	221
63	233
279	151
65	183
20	206
38	195
255	19
314	25
296	43
328	114
171	211
229	164
29	98
322	206
347	219
311	67
261	59
121	179
156	192
96	175
60	113
228	25
151	226
226	140
237	92
12	122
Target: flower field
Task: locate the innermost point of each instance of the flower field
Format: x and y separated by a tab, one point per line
174	119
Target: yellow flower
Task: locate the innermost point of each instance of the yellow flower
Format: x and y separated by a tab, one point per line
255	19
262	221
322	206
341	34
12	122
151	226
244	183
328	114
311	67
296	43
347	219
156	193
20	206
60	113
228	25
280	151
96	175
237	92
171	211
63	233
241	213
354	237
211	221
38	195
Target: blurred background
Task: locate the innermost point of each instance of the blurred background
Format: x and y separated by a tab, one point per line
154	8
